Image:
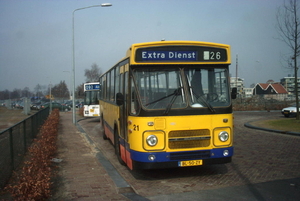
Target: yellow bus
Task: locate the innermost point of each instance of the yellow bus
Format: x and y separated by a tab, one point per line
168	104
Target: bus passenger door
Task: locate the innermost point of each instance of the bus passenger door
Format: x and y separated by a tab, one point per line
123	116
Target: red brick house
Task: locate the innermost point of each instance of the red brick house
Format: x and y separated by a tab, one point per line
270	91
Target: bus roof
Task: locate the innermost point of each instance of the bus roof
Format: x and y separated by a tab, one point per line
132	51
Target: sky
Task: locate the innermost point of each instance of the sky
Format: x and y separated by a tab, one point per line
36	36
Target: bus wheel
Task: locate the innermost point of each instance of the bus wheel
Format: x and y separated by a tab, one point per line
117	149
103	133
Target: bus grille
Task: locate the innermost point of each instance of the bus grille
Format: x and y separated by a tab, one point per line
186	139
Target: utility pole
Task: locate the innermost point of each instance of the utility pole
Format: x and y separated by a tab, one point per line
236	73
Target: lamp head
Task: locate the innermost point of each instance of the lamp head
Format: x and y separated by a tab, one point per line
106	4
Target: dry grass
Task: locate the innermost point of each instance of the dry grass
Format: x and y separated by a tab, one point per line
283	124
9	118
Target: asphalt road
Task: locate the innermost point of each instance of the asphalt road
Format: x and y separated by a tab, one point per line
265	166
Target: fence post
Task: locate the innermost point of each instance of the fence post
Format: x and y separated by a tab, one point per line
11	146
24	135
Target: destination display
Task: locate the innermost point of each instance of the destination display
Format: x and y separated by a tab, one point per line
169	55
90	87
180	53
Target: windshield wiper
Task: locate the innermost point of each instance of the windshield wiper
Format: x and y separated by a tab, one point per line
203	100
164	97
198	96
176	93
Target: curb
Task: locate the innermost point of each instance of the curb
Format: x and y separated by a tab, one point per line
248	124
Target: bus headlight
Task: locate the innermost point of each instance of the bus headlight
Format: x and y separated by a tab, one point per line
223	136
152	140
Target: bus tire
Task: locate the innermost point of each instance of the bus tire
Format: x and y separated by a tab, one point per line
103	133
117	148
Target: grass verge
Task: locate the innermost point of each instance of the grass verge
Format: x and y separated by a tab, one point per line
286	124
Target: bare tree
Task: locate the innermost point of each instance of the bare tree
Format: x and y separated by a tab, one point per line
80	91
26	92
60	90
5	95
38	90
93	74
16	94
289	32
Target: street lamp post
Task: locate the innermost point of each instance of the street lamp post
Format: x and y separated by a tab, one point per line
74	107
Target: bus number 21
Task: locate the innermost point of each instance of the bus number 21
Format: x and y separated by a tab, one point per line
136	127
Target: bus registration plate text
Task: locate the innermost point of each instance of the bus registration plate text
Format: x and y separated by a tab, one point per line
189	163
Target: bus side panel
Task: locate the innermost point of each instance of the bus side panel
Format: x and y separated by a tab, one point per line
122	149
128	159
125	153
109	113
109	132
111	116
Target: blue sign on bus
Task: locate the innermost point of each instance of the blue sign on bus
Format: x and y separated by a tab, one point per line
89	87
169	55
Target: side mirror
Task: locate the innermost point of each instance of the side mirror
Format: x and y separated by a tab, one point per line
120	99
233	93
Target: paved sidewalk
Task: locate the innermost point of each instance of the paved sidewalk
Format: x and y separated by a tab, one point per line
82	176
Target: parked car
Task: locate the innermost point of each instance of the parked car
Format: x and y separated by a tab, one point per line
290	111
36	106
68	103
79	104
19	105
56	105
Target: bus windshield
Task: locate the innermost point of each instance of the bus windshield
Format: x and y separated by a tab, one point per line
91	98
180	87
158	87
207	87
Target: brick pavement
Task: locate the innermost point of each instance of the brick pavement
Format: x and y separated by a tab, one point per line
259	157
82	177
255	161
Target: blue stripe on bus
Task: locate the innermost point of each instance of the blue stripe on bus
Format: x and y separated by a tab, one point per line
165	156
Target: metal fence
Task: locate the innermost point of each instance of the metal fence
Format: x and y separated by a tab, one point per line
15	141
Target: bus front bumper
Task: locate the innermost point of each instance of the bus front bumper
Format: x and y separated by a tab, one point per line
157	160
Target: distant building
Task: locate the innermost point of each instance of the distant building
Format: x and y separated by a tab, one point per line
248	92
283	90
239	84
271	90
289	84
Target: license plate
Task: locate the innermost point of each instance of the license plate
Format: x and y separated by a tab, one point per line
189	163
286	112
